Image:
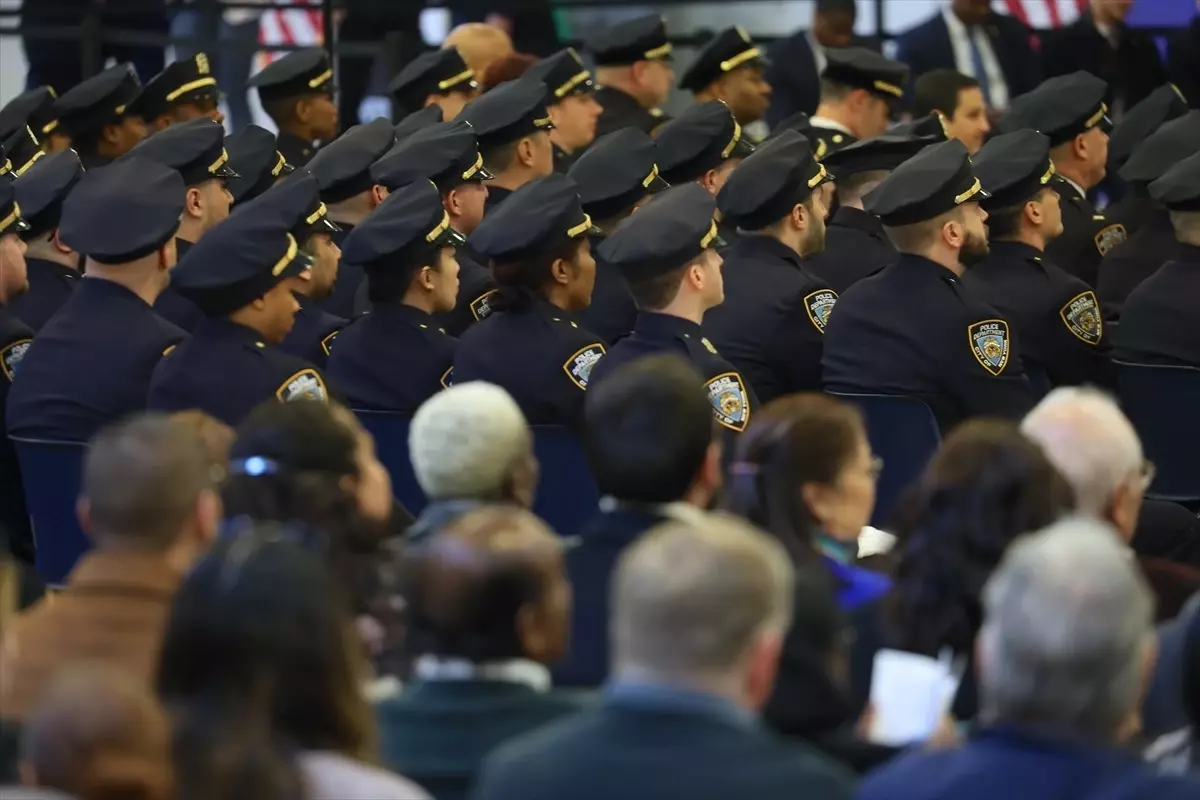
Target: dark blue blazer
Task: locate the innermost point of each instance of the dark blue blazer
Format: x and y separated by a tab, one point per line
795	83
1004	763
1132	71
927	47
589	568
644	749
437	733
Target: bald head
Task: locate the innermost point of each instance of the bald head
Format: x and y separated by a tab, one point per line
479	44
490	586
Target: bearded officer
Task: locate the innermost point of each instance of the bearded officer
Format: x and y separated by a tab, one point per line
633	73
914	328
1056	315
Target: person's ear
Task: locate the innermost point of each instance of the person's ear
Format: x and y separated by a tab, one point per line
161	122
259	303
525	152
425	279
83	512
193	204
208	515
1079	145
1033	212
818	498
695	275
430	100
452	203
763	667
378	195
110	134
1124	509
533	631
303	110
711	475
709	181
560	271
799	216
57	241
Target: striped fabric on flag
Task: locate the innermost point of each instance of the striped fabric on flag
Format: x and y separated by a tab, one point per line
290	26
1046	13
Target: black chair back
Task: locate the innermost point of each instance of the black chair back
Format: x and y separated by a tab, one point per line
1163	403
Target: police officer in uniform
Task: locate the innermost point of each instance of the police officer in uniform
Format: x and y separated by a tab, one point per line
571	101
1070	109
437	78
513	126
1159	325
531	344
615	176
183	91
1160	107
297	92
343	168
855	243
396	356
730	68
35	109
1153	243
314	329
254	156
419	120
196	150
667	253
1056	316
633	64
913	328
860	92
92	360
15	338
240	277
772	323
102	115
53	267
447	154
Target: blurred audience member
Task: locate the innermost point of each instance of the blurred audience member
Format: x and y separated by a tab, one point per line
150	506
798	61
480	45
261	672
1100	42
812	699
960	101
699	612
314	464
1086	436
985	487
1183	60
1176	687
1065	653
804	472
488	606
506	68
998	50
652	447
99	734
470	446
215	436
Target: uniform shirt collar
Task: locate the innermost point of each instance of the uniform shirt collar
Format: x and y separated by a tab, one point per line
857	218
922	264
402	311
764	245
53	266
102	287
829	124
1078	189
225	328
548	309
518	670
1015	250
655	324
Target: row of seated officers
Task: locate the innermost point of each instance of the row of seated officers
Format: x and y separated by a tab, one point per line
693	241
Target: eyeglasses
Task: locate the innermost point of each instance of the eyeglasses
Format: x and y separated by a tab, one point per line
876	468
1147	474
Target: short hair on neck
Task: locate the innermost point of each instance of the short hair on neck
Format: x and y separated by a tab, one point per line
919	236
938	90
853	187
282	111
1089	440
499	157
1005	223
655	294
691	599
142	478
834	91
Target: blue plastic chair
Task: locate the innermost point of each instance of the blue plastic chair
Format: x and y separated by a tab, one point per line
52	473
390	431
1163	403
904	433
566	495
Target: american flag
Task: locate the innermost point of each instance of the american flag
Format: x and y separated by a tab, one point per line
291	26
1046	13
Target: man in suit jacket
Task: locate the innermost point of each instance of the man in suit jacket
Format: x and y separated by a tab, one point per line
1101	43
1063	666
699	613
1183	60
150	506
971	38
797	61
650	443
488	604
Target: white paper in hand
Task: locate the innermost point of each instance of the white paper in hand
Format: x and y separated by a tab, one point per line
909	693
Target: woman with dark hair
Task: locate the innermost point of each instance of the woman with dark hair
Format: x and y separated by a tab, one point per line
260	671
316	465
986	486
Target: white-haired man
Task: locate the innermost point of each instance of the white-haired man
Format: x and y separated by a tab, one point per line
470	445
1064	655
1087	437
698	619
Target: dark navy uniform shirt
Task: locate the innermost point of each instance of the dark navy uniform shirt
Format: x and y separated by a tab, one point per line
828	140
393	358
731	398
226	370
50	284
91	364
1123	268
312	333
855	246
613	311
540	355
622	110
174	307
1160	323
298	152
1056	316
15	338
340	301
914	329
1086	238
772	323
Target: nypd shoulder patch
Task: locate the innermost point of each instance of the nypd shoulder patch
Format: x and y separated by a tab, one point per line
448	378
819	306
481	306
327	342
1082	317
11	355
579	366
989	340
306	384
729	400
1109	237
